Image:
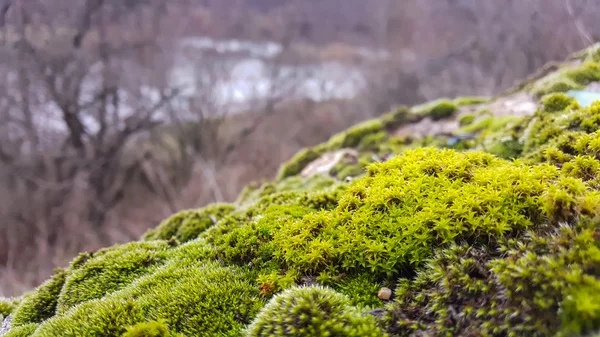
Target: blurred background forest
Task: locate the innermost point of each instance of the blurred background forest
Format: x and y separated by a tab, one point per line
115	114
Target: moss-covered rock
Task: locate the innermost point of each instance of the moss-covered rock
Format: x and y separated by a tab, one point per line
568	78
158	328
466	119
194	298
42	303
297	163
312	311
189	224
110	270
489	124
516	289
354	136
7	306
440	109
22	331
470	100
345	171
471	244
557	102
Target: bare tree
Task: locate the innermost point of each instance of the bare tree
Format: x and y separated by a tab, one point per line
77	91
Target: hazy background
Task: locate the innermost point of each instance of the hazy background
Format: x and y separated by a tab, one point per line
116	113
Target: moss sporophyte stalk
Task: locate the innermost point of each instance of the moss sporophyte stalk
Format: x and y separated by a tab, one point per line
495	234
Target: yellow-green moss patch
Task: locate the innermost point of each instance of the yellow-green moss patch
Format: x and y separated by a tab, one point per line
439	109
571	77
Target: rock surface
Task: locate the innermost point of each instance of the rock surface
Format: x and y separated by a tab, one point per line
6	325
385	294
328	160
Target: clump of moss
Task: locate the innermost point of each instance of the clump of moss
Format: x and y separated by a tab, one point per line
312	311
506	148
557	102
7	306
435	198
489	124
23	330
477	245
346	171
42	303
466	120
297	163
402	115
352	137
247	191
557	137
440	109
194	298
288	187
567	79
158	328
372	142
254	243
315	183
361	289
110	270
189	224
535	286
470	100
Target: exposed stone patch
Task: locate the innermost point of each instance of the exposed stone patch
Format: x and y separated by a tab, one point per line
519	105
327	161
6	325
427	127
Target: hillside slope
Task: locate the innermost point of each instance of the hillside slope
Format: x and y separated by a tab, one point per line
464	217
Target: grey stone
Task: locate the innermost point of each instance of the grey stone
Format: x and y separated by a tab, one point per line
6	325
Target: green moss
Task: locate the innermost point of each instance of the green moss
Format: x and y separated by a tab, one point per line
557	102
557	137
246	193
509	148
189	224
466	120
110	270
440	109
345	171
297	163
372	142
312	311
7	306
434	198
361	289
474	245
401	116
353	136
519	289
567	79
270	192
194	298
274	282
464	101
315	183
42	303
593	53
253	243
22	331
489	124
158	328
